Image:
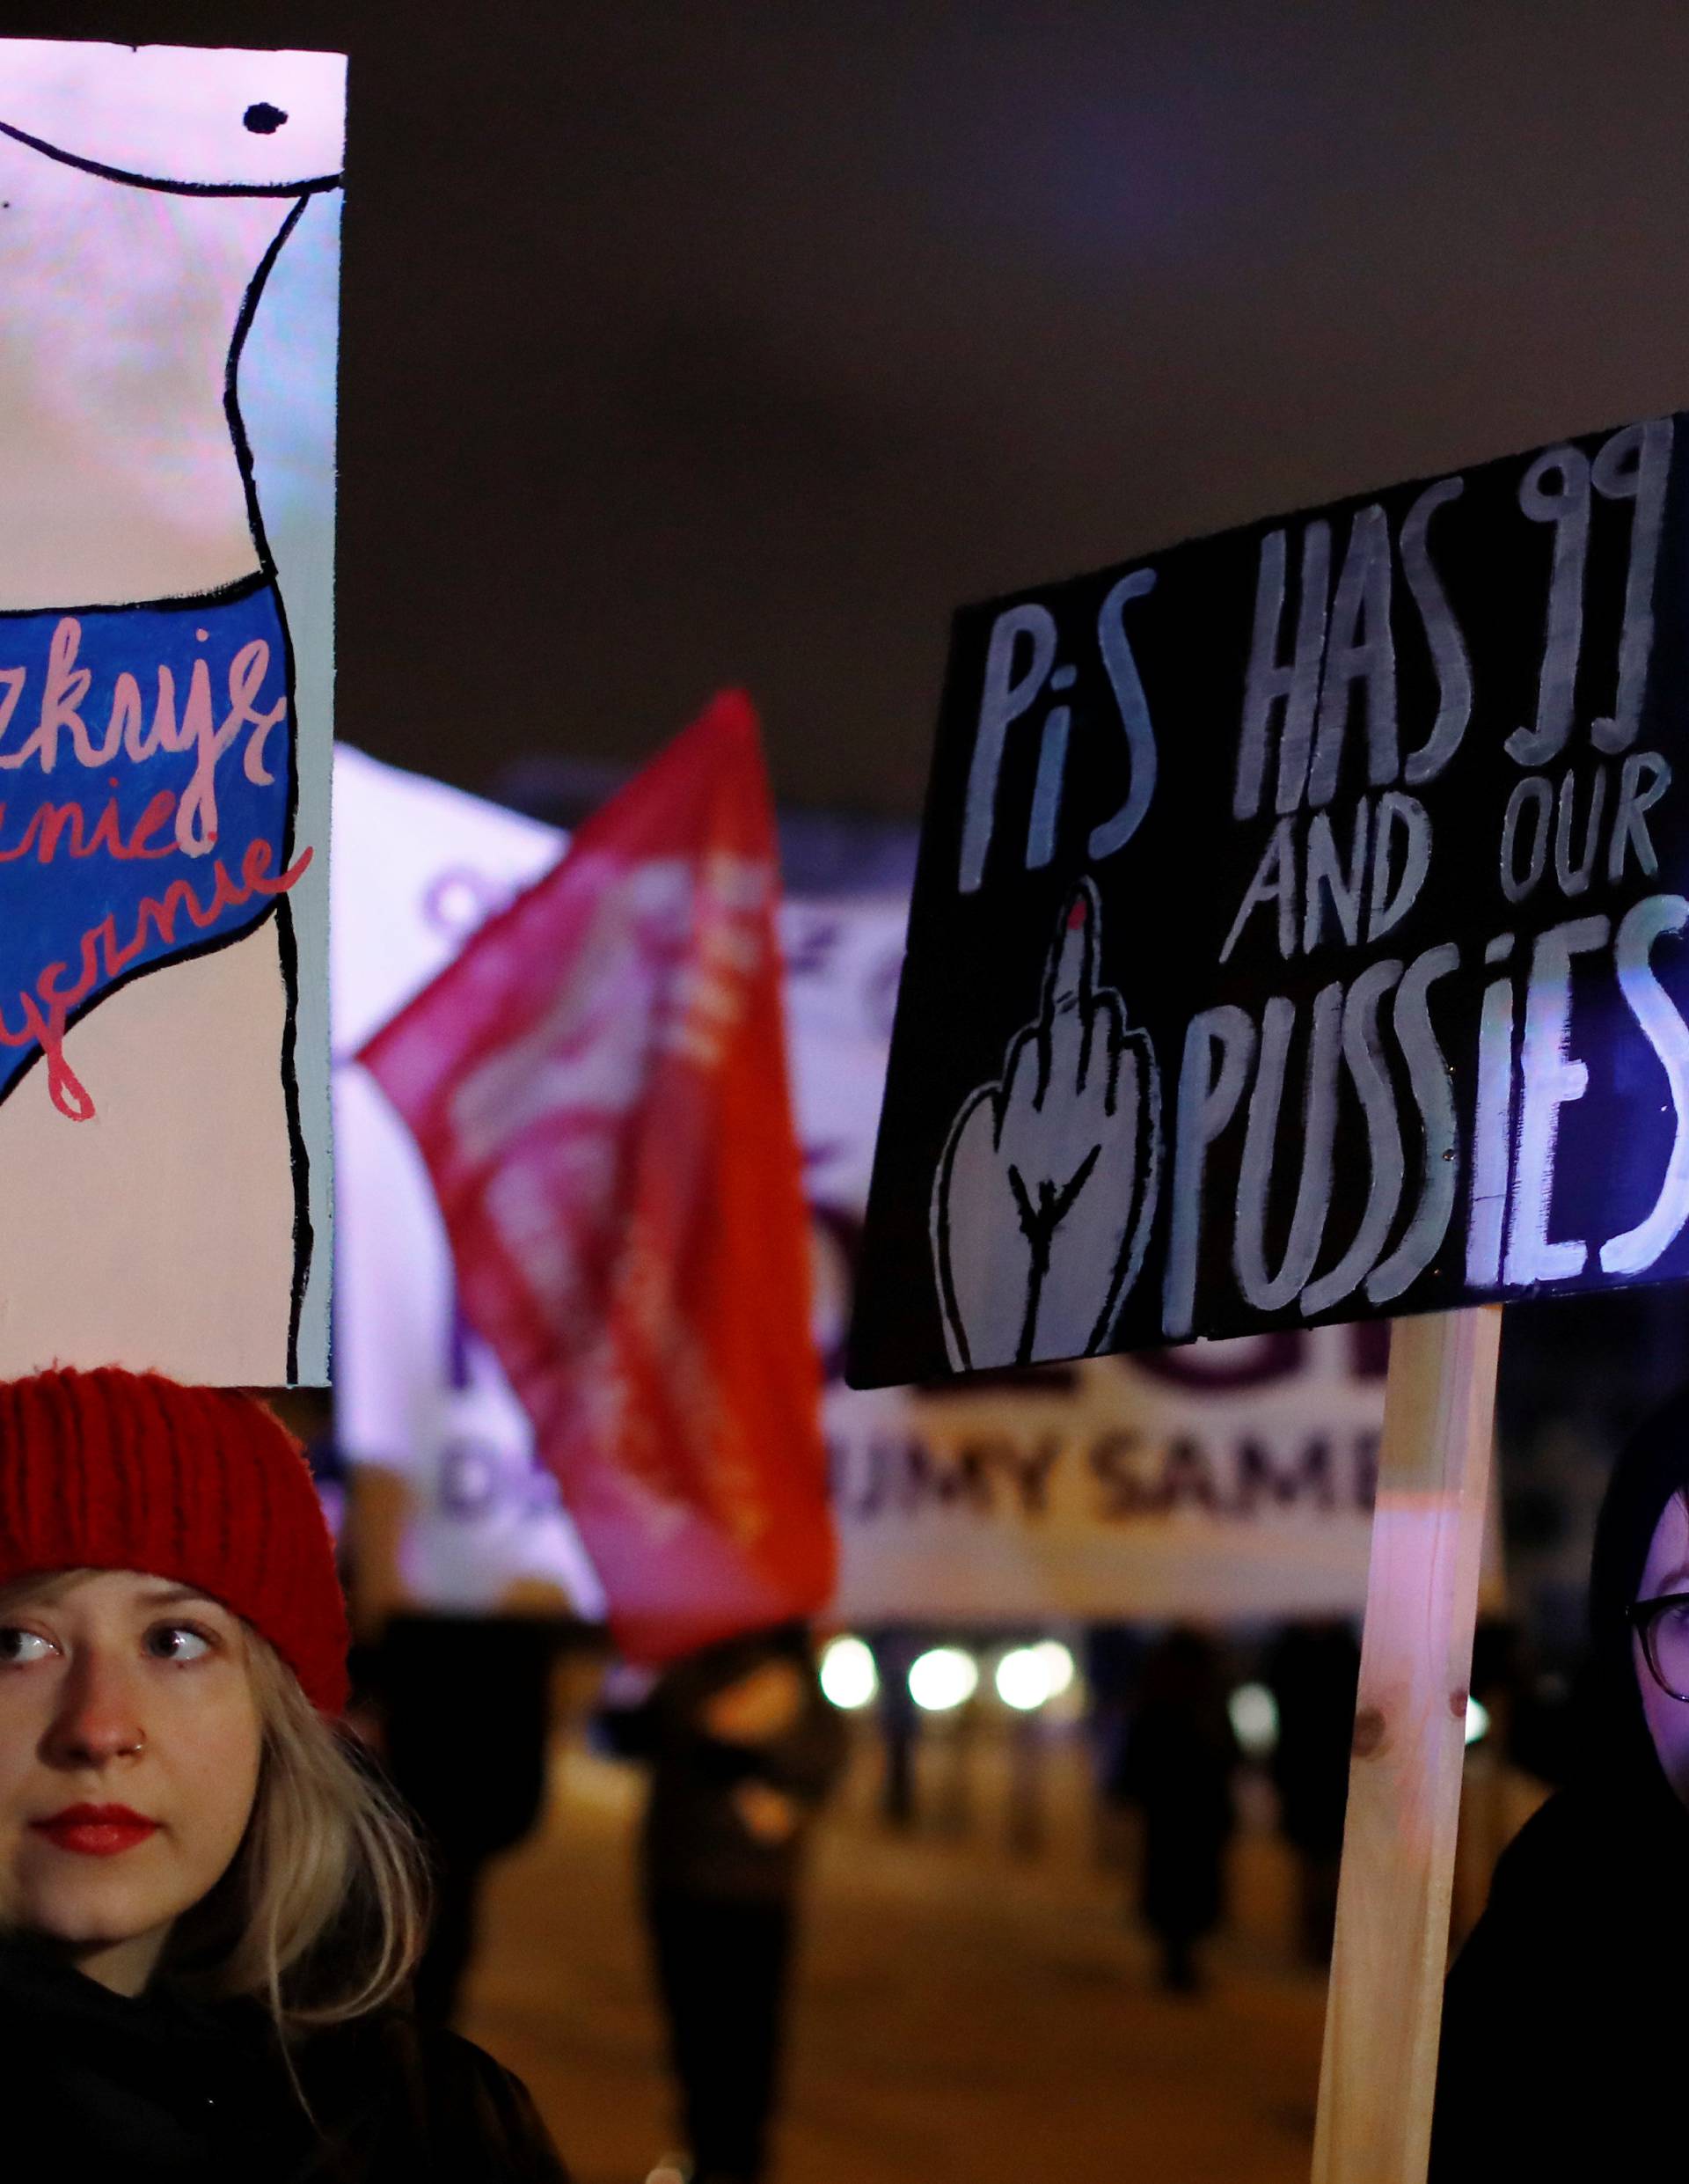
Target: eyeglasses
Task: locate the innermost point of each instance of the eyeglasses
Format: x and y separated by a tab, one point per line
1663	1625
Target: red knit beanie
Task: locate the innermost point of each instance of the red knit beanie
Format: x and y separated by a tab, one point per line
116	1470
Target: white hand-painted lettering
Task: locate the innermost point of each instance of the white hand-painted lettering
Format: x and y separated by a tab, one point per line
1428	1075
1021	663
1344	644
1114	834
1208	1100
1363	1057
1653	918
1634	465
1267	1292
1007	695
1492	1127
1550	1081
1388	865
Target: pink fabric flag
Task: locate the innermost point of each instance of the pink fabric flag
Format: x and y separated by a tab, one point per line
598	1087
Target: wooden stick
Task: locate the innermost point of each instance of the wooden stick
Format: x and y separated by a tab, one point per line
1384	2011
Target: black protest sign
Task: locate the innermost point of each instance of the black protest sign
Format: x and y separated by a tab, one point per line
1299	932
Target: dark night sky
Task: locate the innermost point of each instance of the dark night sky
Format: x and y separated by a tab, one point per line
686	345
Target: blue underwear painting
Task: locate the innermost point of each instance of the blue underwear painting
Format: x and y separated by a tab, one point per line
147	794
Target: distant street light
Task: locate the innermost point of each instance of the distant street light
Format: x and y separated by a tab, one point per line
1022	1679
942	1679
1030	1676
848	1675
1059	1666
1254	1718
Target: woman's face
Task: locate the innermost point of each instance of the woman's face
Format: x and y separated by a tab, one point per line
1666	1571
129	1749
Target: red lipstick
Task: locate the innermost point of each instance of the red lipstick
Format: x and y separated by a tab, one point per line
96	1830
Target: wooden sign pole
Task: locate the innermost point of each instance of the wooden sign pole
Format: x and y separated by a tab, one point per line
1378	2075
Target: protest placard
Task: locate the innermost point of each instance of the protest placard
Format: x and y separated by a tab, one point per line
1297	929
169	234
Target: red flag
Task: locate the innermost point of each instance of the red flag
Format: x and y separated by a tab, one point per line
598	1087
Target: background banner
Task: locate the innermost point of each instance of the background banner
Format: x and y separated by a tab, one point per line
1225	1479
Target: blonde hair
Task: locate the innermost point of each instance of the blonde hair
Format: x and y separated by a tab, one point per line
322	1913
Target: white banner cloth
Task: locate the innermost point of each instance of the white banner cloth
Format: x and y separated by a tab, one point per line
1223	1479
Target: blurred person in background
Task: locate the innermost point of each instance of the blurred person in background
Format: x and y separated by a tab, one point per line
899	1719
743	1749
1565	2027
1314	1672
1177	1765
457	1707
1114	1655
209	1909
463	1708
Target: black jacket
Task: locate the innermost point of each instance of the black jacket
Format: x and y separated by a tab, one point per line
694	1840
1566	2018
162	2089
1566	2022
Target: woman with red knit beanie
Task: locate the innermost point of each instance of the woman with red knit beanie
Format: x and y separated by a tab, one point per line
209	1909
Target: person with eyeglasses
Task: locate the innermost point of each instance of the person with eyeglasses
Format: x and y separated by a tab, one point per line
1566	2015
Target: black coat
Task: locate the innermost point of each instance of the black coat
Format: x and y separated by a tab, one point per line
694	1843
1177	1766
1566	2018
161	2089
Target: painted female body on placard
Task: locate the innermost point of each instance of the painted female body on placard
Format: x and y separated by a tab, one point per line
151	1160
